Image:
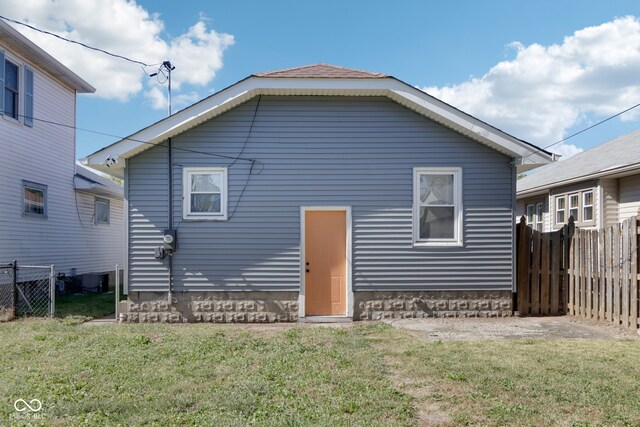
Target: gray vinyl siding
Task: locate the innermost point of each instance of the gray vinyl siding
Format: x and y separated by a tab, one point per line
629	197
321	151
609	198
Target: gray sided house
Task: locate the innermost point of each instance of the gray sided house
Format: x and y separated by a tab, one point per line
598	187
318	191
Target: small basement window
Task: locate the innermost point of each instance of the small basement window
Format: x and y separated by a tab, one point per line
102	211
34	198
437	212
205	193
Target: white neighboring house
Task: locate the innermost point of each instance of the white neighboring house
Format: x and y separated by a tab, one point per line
598	187
52	211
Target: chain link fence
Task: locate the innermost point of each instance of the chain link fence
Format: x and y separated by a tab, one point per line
26	290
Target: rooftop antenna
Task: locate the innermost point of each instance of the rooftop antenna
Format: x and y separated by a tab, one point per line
166	65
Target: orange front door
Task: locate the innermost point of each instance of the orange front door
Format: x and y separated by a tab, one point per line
326	263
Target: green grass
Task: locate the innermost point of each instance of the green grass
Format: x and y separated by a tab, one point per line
86	305
369	374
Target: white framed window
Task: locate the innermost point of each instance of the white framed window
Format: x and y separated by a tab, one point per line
11	89
561	208
204	193
587	206
531	214
437	206
574	206
16	84
34	199
539	214
102	208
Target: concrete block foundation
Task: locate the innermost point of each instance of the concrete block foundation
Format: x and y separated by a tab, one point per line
265	307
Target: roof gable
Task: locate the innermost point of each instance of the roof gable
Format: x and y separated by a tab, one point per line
526	156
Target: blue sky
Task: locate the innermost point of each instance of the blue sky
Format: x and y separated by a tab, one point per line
450	49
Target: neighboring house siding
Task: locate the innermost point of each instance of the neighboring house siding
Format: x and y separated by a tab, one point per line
321	151
45	154
629	197
609	199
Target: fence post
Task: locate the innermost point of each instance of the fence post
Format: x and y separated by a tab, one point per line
117	292
569	231
52	290
14	283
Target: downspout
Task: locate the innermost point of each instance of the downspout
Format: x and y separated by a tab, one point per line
170	260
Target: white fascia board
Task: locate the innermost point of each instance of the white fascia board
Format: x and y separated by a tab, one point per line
244	90
95	188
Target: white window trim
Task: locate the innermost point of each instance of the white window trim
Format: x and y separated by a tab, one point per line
457	239
17	63
95	211
39	187
186	194
585	205
570	207
557	209
539	213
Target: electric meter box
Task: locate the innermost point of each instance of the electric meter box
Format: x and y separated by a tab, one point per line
170	239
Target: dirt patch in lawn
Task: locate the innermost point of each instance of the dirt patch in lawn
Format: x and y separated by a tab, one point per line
560	327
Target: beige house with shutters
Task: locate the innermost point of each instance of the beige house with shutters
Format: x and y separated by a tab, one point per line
598	187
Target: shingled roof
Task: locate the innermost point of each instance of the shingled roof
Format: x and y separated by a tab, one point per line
604	159
321	71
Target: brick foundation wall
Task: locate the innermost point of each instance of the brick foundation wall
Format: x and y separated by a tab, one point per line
217	307
414	304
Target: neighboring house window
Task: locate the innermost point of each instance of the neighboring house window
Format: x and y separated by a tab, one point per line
205	193
102	211
437	213
11	94
587	206
531	213
535	212
539	213
574	206
34	199
580	207
560	209
11	88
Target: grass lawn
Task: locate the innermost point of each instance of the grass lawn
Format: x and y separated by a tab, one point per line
87	305
369	374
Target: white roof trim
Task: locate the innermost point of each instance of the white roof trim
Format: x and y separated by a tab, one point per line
19	43
244	90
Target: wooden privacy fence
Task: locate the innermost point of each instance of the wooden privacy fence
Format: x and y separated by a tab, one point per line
603	274
541	271
588	273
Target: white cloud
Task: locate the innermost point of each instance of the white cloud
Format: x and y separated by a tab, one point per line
125	28
545	90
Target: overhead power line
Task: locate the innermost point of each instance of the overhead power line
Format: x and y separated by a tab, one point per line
586	129
188	150
115	55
